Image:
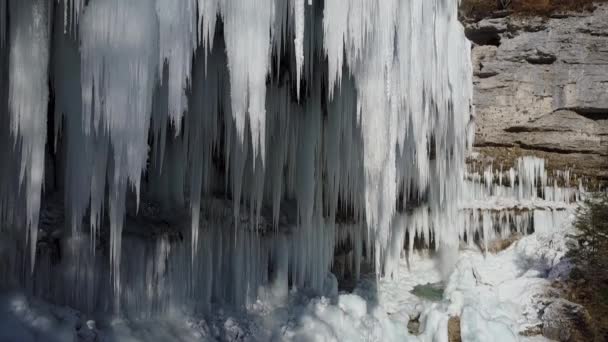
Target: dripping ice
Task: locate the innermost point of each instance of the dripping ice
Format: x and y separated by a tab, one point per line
240	143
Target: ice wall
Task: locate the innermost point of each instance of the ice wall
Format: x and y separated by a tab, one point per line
304	115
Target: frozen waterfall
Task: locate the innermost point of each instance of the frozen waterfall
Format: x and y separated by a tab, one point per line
209	148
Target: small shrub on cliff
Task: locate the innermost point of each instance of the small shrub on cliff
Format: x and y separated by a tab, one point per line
591	251
589	277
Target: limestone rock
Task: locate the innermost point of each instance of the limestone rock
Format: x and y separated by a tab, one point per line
541	85
454	329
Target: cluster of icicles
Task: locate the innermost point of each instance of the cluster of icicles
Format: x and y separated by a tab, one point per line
327	106
494	204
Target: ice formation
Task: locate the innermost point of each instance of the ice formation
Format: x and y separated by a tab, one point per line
177	41
28	97
281	130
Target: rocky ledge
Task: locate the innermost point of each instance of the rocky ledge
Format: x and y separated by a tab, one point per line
541	88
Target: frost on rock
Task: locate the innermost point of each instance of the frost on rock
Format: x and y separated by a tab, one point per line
281	130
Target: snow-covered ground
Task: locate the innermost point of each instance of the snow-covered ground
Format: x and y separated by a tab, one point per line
496	296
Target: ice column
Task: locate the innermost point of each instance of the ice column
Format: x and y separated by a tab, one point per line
28	100
247	25
177	29
298	10
119	59
71	13
412	76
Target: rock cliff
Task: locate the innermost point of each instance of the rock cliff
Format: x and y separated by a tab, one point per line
541	88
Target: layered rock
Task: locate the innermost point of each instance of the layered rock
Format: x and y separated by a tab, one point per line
541	88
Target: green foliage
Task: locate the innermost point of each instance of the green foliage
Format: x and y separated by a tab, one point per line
592	232
590	253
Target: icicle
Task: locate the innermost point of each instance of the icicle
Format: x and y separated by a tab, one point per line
334	31
28	100
119	56
207	17
392	130
71	14
298	13
100	150
378	125
247	26
177	27
117	196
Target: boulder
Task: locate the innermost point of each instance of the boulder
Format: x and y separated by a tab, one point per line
567	321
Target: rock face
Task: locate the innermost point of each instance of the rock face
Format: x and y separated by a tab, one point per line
567	321
541	87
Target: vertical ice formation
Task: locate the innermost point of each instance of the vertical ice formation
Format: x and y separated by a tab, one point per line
497	202
207	18
203	138
335	25
247	25
177	28
298	14
527	182
308	117
28	99
119	60
71	14
159	275
413	116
